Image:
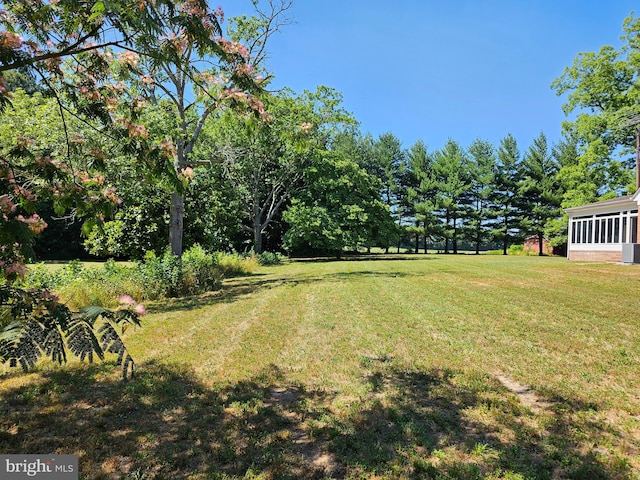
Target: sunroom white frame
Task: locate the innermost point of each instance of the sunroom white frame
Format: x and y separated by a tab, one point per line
598	230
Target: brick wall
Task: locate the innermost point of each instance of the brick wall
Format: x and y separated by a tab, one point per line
531	243
595	256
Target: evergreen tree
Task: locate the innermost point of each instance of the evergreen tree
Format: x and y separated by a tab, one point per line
506	211
573	187
450	168
539	189
389	156
419	190
482	168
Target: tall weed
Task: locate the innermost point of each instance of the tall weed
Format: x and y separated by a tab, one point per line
198	271
234	264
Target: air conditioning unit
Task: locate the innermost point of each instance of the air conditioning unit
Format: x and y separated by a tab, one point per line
631	253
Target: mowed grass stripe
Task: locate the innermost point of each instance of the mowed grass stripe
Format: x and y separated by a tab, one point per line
380	368
525	316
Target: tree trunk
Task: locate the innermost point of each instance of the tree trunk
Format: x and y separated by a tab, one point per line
505	239
176	223
257	239
455	233
257	231
478	227
540	240
339	254
446	235
417	243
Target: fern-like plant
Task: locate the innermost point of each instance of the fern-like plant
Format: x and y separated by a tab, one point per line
34	324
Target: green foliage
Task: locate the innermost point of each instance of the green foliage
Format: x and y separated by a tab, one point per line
234	264
339	208
196	272
506	206
137	228
33	324
155	277
451	181
80	286
482	161
518	249
602	87
540	190
269	258
160	275
213	209
171	276
102	287
263	162
41	277
200	272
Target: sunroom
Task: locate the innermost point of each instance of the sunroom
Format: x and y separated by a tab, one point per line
605	231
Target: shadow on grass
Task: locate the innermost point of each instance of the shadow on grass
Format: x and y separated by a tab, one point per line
165	423
366	257
239	287
441	424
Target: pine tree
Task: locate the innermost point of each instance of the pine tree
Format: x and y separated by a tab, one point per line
539	189
506	211
482	170
449	168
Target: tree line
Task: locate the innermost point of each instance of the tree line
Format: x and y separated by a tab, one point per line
130	127
144	145
302	179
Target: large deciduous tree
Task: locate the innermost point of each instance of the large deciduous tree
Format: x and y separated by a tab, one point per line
195	81
107	60
339	207
603	88
264	159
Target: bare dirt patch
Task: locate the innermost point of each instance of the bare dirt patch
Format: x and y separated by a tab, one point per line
314	452
528	397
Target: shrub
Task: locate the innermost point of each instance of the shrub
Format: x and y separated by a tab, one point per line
270	258
234	264
100	287
515	250
169	276
160	276
519	250
42	278
156	277
200	271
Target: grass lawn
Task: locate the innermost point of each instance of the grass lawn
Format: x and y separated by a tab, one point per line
410	366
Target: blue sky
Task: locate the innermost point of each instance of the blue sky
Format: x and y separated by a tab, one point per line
433	70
